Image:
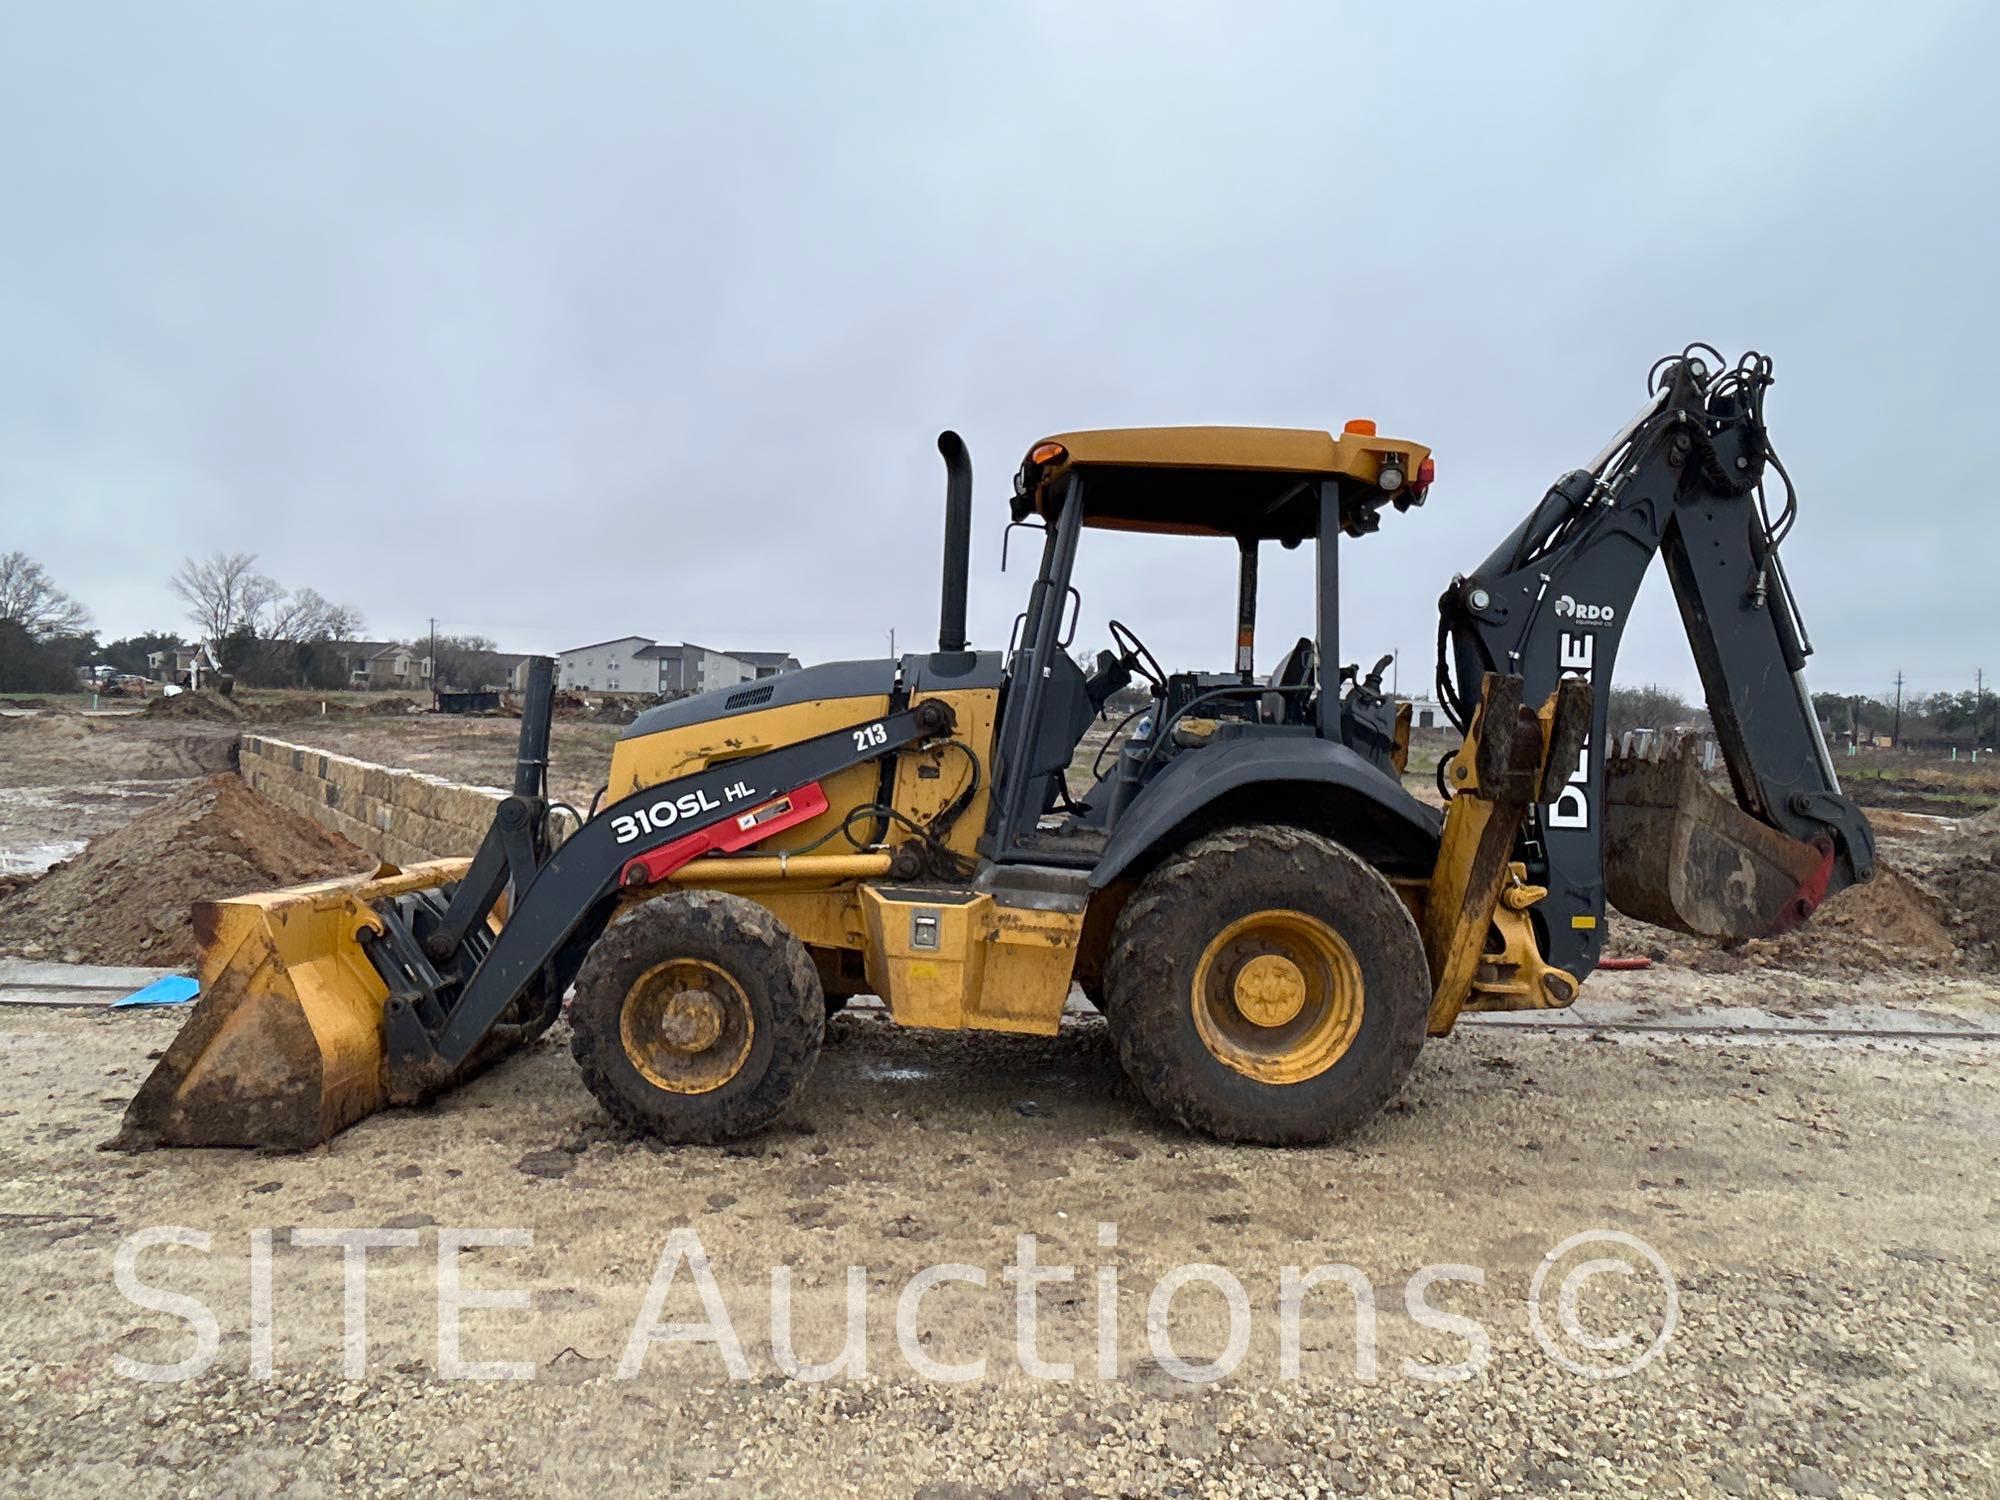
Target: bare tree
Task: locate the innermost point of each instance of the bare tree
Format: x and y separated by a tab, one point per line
1652	707
284	643
223	592
30	600
304	615
343	622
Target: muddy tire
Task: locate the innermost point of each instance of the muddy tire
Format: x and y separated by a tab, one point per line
1267	985
697	1017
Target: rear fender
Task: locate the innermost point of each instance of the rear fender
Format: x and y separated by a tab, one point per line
1296	780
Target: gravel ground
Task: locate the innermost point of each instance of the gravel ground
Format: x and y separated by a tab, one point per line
1826	1211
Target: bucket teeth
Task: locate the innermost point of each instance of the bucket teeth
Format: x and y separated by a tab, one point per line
1680	855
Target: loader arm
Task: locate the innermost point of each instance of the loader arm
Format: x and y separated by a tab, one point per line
452	981
323	1003
1686	478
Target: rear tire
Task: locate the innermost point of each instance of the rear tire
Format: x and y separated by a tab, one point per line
697	1017
1267	985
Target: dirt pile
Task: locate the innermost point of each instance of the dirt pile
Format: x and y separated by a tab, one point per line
194	706
125	899
1892	922
1967	878
44	749
386	707
1934	904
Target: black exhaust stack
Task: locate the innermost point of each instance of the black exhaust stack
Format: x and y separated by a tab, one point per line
957	540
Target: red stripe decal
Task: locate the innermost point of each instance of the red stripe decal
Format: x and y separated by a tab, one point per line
738	831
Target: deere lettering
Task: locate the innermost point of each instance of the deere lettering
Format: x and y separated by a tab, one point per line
1576	656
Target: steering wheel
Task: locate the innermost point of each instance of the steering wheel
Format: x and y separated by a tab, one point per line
1137	656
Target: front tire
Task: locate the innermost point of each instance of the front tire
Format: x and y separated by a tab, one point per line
697	1018
1267	985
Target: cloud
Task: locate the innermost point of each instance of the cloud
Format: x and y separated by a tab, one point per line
563	325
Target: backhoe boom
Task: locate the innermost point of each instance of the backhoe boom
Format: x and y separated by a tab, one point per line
1684	478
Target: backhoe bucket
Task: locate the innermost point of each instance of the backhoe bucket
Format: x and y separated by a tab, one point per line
1678	854
284	1047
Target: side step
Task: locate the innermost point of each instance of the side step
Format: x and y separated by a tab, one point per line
1036	887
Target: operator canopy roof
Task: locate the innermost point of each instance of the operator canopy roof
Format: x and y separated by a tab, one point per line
1254	483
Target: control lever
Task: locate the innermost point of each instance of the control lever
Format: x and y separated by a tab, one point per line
1113	674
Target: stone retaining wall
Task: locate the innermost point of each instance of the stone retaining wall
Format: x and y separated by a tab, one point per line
401	816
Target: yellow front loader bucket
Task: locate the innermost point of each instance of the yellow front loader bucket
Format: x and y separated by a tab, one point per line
284	1047
1678	854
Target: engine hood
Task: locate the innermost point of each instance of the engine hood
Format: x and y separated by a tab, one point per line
832	679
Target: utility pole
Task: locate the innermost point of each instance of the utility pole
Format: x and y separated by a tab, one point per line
431	664
1978	701
1896	734
1396	675
892	643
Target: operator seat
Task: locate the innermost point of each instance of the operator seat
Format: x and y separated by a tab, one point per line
1067	713
1297	668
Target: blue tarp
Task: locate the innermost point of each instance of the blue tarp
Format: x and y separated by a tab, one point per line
175	989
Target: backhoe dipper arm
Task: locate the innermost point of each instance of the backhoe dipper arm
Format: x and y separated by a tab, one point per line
1685	477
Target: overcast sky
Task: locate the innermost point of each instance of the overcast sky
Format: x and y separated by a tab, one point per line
567	322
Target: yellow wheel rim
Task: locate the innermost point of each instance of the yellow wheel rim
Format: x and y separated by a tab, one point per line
1278	996
686	1026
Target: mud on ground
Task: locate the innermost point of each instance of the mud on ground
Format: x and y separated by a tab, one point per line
66	778
1904	783
62	748
125	898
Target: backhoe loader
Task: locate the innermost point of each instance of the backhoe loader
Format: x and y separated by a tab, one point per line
1271	923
